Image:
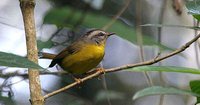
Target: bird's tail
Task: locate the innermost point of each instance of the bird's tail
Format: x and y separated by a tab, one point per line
43	55
53	62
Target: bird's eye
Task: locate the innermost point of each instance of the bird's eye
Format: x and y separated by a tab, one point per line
100	34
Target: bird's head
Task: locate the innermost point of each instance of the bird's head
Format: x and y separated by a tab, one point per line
98	36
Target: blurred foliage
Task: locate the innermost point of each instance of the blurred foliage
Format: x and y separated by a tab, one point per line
63	17
157	90
11	60
194	8
165	69
195	87
109	6
6	101
47	44
113	95
76	102
177	26
78	14
94	91
73	3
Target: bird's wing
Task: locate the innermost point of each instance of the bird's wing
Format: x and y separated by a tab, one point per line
72	49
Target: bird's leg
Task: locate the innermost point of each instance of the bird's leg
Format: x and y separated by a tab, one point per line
78	80
102	70
90	72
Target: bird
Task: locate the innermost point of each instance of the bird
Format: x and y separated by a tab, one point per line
83	54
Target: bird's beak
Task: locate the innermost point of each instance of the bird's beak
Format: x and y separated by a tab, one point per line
112	33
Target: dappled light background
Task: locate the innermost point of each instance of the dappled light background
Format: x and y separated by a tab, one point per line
60	22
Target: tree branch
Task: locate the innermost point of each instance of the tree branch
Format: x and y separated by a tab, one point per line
27	8
98	73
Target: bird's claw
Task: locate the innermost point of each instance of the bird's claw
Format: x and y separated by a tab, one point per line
102	70
78	80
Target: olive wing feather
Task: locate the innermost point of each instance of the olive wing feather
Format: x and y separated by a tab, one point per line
72	49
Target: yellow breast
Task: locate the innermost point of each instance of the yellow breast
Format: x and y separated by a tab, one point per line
84	60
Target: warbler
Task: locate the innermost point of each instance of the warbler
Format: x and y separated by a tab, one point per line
84	54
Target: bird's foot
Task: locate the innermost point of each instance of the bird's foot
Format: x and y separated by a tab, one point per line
78	80
102	70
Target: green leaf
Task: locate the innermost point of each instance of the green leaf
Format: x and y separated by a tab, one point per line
41	44
165	69
59	16
6	101
11	60
194	8
103	95
195	87
67	17
157	90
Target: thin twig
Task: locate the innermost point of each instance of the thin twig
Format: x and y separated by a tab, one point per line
196	47
178	6
161	75
73	84
138	20
105	87
107	26
98	73
138	29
